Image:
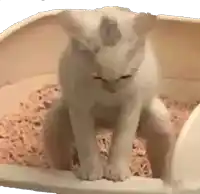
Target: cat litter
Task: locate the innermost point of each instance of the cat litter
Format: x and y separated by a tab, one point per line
21	139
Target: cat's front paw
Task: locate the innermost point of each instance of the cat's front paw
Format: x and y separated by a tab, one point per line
116	172
91	171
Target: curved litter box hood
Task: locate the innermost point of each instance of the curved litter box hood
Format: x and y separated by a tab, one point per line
30	51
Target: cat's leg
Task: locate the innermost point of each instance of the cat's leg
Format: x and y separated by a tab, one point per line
117	168
155	126
91	164
57	136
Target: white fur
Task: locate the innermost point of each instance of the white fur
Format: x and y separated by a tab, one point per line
87	101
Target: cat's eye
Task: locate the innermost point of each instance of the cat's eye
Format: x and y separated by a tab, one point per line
125	76
97	77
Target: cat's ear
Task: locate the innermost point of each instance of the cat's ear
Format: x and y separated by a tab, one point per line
69	21
144	23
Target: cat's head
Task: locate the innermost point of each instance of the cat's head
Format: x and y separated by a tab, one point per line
114	35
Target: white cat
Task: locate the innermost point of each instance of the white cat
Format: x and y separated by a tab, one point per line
108	80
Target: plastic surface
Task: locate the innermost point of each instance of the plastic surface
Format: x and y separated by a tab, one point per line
186	160
29	58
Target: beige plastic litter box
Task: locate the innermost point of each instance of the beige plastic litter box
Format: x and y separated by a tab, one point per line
29	53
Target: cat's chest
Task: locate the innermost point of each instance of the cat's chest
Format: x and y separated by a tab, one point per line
100	111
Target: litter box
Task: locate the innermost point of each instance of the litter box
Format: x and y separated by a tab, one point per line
29	54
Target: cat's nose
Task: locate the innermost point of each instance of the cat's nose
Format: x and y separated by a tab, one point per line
110	87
